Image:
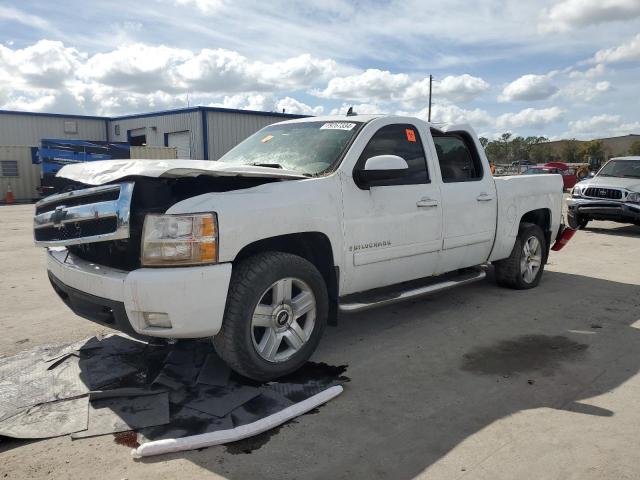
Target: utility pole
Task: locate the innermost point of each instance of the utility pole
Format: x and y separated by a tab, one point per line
430	90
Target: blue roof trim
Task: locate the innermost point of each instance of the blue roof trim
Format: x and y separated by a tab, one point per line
158	113
206	109
57	115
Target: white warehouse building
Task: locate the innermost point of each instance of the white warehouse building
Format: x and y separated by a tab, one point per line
199	133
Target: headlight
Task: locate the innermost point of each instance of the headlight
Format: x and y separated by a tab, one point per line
633	197
576	191
169	240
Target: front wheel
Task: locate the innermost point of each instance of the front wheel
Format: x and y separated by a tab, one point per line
277	308
524	267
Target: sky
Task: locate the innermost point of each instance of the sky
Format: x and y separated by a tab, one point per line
554	68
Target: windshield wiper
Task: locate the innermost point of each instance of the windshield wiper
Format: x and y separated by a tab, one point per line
631	176
266	165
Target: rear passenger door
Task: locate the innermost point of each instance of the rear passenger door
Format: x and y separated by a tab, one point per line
468	200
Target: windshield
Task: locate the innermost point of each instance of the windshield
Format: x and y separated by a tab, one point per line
306	147
621	168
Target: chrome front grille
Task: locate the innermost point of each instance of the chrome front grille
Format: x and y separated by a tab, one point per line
89	215
609	193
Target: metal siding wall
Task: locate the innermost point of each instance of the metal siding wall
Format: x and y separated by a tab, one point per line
24	185
226	130
177	122
153	153
30	129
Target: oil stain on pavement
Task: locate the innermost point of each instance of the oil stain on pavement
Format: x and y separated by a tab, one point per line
523	354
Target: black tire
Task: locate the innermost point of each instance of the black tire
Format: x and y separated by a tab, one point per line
509	271
577	221
249	281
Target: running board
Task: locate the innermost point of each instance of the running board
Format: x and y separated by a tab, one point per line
379	297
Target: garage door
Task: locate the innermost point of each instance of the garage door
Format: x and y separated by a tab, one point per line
182	142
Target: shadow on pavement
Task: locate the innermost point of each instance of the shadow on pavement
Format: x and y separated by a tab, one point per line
622	231
427	375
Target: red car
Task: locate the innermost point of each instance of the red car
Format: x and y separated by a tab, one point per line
568	173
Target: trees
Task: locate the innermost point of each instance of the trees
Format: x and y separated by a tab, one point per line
634	149
570	152
593	149
507	148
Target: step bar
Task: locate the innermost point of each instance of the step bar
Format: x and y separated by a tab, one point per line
395	295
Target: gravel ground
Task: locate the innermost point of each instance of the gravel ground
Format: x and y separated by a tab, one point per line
478	382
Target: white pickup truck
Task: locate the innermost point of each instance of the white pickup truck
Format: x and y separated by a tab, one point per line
305	219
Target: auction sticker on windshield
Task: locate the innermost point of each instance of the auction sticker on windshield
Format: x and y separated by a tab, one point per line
338	126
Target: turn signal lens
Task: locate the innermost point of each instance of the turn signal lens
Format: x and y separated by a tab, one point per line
174	240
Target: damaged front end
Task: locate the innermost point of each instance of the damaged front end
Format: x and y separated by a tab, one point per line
103	224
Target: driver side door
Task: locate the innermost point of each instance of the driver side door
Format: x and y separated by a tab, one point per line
393	228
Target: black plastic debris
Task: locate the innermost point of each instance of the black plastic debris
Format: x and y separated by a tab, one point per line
186	421
265	404
115	384
214	371
119	414
219	401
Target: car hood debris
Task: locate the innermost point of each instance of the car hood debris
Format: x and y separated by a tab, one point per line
106	171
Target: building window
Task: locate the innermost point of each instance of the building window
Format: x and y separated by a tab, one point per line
9	168
70	127
116	129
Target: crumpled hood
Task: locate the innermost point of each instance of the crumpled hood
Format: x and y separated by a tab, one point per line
105	171
632	184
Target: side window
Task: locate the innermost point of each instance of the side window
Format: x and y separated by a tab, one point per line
459	162
403	141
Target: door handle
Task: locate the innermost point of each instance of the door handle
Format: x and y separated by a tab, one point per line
484	197
427	202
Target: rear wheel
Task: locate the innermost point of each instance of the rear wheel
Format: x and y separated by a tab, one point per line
276	311
524	267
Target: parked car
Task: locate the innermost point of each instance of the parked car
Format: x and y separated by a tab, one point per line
612	194
568	174
304	219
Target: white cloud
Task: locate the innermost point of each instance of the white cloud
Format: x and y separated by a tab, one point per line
529	118
625	52
227	71
291	105
205	6
15	15
267	103
570	14
384	86
49	75
595	124
45	64
584	91
460	88
137	67
593	72
527	88
361	108
371	84
449	113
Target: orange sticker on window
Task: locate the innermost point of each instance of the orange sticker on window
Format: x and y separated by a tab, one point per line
267	138
411	135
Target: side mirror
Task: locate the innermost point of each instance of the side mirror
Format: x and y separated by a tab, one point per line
380	168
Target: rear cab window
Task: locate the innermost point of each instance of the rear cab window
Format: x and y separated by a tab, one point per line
458	158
